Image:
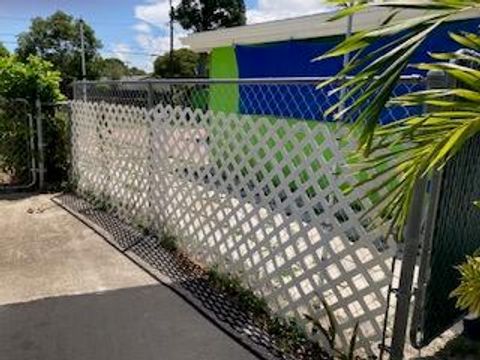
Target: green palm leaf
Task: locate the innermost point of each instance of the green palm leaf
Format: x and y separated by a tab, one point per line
427	141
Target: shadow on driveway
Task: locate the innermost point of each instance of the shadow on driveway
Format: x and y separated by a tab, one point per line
140	323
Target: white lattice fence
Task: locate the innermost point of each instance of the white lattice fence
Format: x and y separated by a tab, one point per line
265	199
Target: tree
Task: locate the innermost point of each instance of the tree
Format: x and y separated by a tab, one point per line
203	15
57	40
428	140
115	69
30	80
134	71
3	51
185	64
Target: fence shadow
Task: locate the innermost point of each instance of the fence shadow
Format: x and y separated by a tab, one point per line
188	280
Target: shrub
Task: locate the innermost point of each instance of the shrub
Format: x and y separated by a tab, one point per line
468	292
29	81
34	79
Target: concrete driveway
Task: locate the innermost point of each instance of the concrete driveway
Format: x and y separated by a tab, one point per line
66	295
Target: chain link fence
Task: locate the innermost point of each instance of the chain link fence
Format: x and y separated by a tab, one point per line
290	98
451	232
17	145
254	179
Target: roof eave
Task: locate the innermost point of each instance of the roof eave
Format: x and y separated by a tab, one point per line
305	27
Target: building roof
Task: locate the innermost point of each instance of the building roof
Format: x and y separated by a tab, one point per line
304	27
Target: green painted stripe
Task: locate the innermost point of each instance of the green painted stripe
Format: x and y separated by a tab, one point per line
223	65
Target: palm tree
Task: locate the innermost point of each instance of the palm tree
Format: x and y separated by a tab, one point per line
451	116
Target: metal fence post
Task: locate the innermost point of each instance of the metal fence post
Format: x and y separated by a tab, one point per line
71	171
412	240
435	80
40	145
75	95
150	95
84	89
409	260
150	152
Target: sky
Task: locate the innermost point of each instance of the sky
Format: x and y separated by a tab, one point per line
133	30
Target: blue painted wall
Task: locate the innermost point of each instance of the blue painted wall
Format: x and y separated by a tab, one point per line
293	58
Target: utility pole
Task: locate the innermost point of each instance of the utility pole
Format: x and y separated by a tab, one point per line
84	67
346	57
171	40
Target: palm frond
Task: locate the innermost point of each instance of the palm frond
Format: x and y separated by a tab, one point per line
427	141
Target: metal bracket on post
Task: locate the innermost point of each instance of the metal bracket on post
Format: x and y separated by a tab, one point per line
40	145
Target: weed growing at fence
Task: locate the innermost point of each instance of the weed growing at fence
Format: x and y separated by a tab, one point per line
289	335
232	285
330	332
168	239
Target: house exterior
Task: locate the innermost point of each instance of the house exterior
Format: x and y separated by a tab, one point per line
285	49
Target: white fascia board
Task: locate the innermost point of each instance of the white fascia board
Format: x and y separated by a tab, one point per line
305	27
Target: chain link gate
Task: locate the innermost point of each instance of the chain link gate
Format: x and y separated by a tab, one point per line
18	145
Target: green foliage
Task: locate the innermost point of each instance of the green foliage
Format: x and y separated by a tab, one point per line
115	69
330	333
185	64
14	135
416	145
232	285
57	39
468	292
31	80
288	335
204	15
56	130
3	50
134	71
168	239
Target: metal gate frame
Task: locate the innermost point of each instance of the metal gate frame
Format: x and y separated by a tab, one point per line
34	148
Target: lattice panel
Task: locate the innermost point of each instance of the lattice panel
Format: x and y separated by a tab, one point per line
266	199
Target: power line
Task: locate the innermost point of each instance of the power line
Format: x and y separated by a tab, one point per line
129	52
